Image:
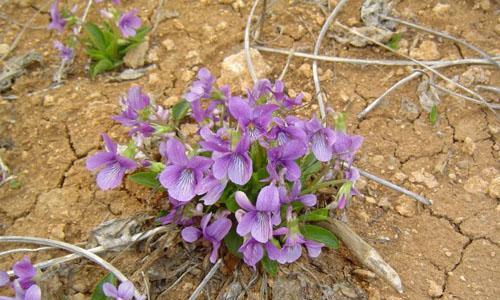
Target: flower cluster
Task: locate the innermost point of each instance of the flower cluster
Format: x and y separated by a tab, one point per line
106	44
23	284
125	291
251	176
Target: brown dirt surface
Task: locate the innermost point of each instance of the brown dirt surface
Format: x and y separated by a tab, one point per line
449	250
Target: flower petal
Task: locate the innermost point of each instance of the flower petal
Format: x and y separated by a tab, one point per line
320	147
313	248
262	229
246	223
126	163
99	159
169	177
240	110
243	201
110	177
24	269
218	229
126	290
200	163
176	152
109	143
293	170
109	290
239	169
268	199
215	252
4	278
190	234
184	189
308	199
220	166
33	293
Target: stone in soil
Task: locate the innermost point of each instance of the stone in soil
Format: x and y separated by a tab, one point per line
428	50
136	57
235	73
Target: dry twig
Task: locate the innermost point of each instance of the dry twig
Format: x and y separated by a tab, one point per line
207	278
317	47
365	253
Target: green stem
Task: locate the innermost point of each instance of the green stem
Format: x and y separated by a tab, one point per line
317	185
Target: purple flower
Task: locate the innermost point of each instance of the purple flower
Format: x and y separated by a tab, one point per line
133	105
321	139
202	87
211	188
294	195
25	272
254	120
346	145
285	156
113	165
182	176
66	53
218	142
214	233
237	164
176	214
280	95
260	89
259	220
253	251
292	248
288	129
32	293
56	21
125	290
129	23
4	278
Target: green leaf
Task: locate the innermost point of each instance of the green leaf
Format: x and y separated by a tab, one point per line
98	294
233	242
433	115
319	214
270	266
180	110
319	234
147	179
95	35
101	66
340	122
230	203
394	41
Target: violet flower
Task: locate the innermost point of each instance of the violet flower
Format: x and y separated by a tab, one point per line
260	89
214	233
211	188
285	156
279	94
129	23
4	278
32	293
113	165
125	290
25	272
295	196
346	145
253	251
321	138
259	220
254	120
286	130
65	53
133	105
56	21
202	87
237	164
292	248
182	176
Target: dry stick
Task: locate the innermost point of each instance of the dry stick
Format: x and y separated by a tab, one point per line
391	185
248	56
381	62
365	253
261	21
59	260
287	64
21	33
419	63
492	105
317	47
408	78
23	250
488	88
207	278
445	35
71	248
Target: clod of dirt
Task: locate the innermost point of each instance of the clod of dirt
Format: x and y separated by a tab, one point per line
494	188
371	11
476	184
305	69
428	50
409	109
4	49
435	290
136	57
469	146
441	9
421	176
483	225
235	73
16	67
114	234
406	206
168	44
475	75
